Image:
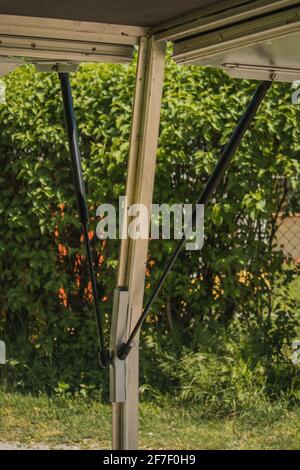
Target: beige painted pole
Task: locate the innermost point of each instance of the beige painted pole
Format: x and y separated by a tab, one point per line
133	253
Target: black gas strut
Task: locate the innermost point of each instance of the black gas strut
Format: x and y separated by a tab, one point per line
204	198
81	201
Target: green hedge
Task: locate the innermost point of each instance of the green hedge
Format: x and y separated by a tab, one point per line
231	289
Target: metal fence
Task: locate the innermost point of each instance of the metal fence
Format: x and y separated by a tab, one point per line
288	236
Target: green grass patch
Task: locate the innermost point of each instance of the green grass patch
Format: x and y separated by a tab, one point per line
61	421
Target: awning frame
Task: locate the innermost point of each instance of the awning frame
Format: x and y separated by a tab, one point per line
210	18
54	44
51	41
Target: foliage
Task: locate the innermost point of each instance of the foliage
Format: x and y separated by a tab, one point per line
229	296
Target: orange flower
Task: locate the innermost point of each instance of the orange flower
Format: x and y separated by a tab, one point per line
62	250
63	296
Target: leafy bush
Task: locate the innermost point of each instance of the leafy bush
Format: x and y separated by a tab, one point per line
224	375
230	293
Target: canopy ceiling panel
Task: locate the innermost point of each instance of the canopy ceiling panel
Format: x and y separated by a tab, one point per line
126	12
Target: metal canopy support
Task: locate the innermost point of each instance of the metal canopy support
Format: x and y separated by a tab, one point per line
203	199
133	255
81	201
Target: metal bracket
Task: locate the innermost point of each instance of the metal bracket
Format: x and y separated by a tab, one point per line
56	67
118	335
262	72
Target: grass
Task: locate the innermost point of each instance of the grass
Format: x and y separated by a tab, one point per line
61	421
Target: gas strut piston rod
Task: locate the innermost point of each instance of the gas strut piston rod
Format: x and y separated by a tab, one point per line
81	201
204	198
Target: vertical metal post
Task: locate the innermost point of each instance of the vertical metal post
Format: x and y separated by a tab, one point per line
133	253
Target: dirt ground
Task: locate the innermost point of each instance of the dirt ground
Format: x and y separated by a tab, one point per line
20	446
